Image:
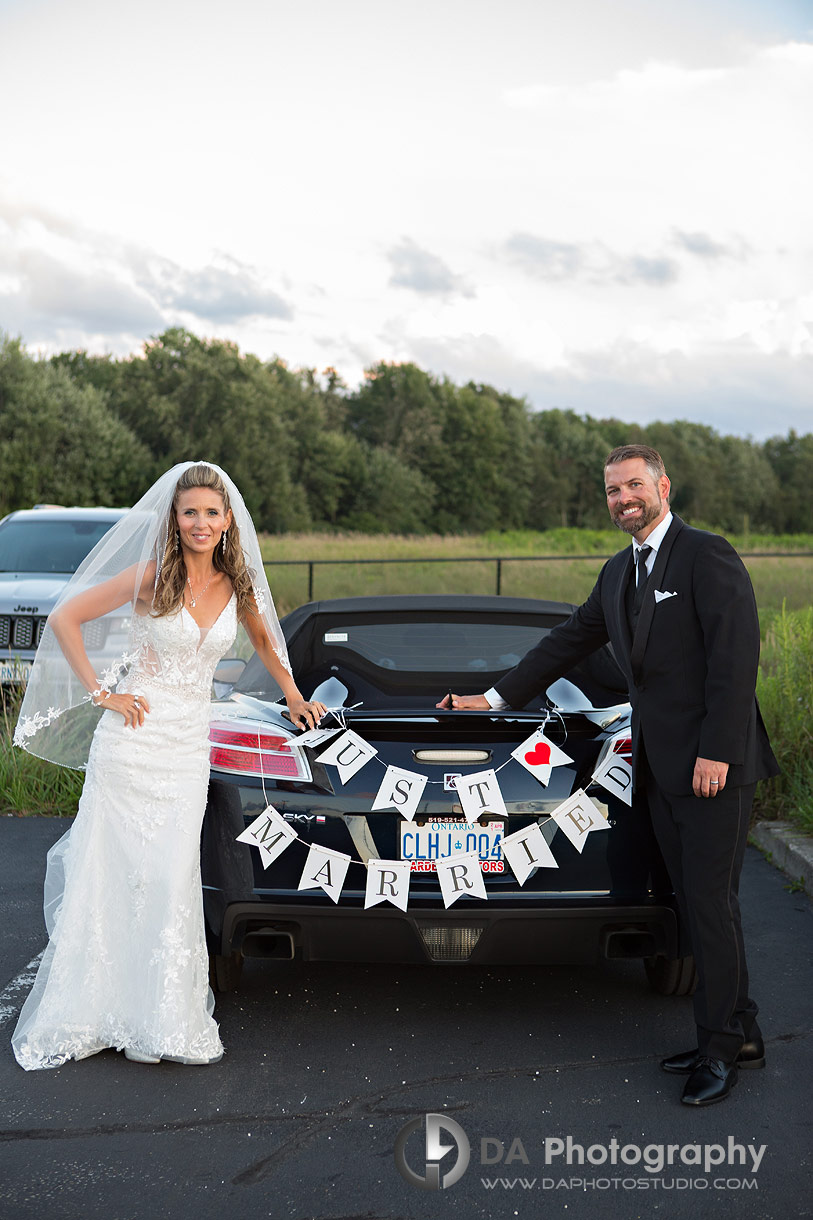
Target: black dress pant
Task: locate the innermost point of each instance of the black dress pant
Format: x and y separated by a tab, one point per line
703	845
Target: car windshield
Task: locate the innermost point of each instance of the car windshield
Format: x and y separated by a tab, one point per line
403	656
462	646
400	655
48	545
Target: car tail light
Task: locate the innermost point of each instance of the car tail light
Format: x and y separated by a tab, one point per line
623	746
241	748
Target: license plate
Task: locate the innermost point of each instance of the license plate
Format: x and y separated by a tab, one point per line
425	845
14	671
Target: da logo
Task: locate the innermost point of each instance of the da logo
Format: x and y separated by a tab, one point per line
433	1152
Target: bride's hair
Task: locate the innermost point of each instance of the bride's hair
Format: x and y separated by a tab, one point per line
171	584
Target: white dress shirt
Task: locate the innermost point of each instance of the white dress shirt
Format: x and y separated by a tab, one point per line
653	540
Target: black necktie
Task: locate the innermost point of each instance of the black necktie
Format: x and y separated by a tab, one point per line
641	577
641	574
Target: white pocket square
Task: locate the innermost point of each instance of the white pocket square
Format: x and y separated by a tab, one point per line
661	597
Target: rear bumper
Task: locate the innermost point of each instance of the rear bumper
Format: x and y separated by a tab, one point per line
553	935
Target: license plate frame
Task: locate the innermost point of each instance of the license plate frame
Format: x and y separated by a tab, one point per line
14	671
443	837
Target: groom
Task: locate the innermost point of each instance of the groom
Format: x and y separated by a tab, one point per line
679	610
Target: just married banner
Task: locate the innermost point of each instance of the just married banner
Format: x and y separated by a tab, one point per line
479	793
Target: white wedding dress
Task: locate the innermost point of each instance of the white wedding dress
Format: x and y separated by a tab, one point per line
126	964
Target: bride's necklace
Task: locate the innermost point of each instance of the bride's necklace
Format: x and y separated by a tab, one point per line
194	600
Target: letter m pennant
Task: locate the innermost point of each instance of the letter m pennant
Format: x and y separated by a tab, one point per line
270	833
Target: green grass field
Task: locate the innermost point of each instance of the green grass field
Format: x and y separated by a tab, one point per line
786	579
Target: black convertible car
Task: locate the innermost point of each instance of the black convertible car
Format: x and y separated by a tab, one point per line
383	663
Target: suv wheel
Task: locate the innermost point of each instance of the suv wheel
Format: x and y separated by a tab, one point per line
225	971
671	977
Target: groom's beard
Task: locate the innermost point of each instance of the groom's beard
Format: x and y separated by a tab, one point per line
632	525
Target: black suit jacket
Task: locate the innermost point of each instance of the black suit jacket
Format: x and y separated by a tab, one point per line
691	665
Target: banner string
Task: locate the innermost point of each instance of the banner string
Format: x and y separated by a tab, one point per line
339	714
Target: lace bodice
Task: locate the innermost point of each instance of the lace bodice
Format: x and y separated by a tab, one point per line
174	651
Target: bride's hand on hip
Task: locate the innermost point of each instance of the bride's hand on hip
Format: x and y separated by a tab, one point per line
132	707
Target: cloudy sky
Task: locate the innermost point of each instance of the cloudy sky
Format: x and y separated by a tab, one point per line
602	205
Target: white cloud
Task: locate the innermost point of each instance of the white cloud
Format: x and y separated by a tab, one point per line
226	291
552	261
423	271
705	247
561	196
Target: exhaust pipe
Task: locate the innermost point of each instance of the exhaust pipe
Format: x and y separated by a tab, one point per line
629	942
268	943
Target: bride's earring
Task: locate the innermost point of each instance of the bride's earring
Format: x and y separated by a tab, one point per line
177	540
223	539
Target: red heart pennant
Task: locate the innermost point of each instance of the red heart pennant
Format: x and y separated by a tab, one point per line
539	756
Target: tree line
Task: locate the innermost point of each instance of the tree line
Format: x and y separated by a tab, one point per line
406	452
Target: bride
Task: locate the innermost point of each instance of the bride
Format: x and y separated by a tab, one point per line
126	964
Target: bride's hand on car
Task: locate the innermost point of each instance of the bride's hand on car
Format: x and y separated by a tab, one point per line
305	714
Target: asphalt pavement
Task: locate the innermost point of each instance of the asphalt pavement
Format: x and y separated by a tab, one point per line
327	1064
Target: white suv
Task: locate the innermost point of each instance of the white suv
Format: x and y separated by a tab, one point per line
40	549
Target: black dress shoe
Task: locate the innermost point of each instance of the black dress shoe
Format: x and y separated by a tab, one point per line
711	1081
752	1055
683	1063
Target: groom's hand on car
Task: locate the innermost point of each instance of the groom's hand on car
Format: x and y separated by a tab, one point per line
464	703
